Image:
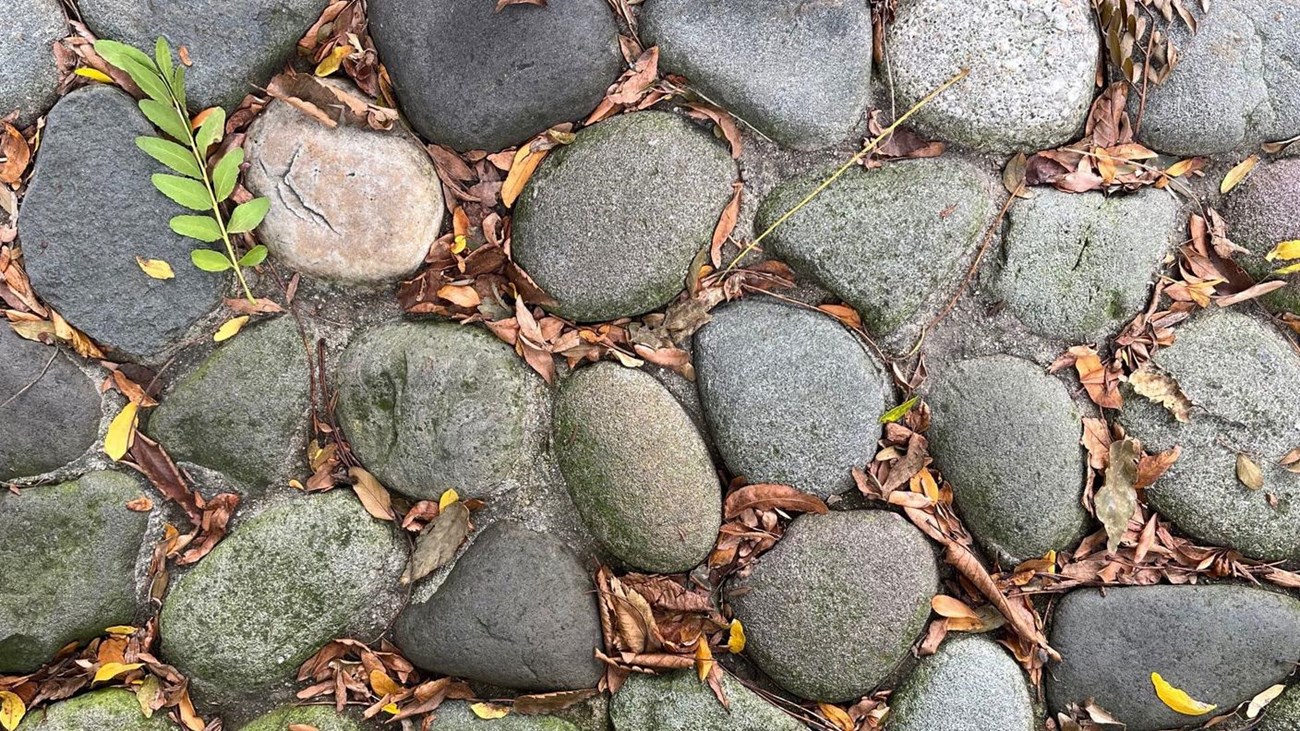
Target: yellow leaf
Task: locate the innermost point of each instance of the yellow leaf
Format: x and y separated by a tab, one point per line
12	710
526	162
1238	173
121	629
330	63
703	659
185	706
110	670
1179	700
837	716
448	497
94	74
488	710
391	709
121	431
1180	168
1286	251
951	607
1289	269
736	638
382	684
156	268
230	328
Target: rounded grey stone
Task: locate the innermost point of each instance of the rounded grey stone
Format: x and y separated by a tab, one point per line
29	75
235	47
1236	83
278	587
637	469
1263	211
609	224
321	718
243	410
81	237
680	702
518	610
798	72
457	716
74	545
1032	66
970	684
833	609
1222	644
432	406
891	242
1283	714
1006	434
49	409
1077	266
1240	374
790	396
347	203
112	708
474	77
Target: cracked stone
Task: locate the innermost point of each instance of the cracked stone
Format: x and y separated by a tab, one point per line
29	75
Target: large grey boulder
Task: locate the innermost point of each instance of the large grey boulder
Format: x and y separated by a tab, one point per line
49	409
680	702
347	203
1236	83
891	242
1006	434
235	47
970	684
321	718
81	237
112	708
609	224
243	410
790	396
1263	211
833	609
1221	644
798	72
474	77
1078	266
432	406
71	550
1240	374
1032	65
281	585
457	716
518	610
29	76
637	469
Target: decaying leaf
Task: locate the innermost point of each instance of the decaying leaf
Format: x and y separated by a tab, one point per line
1116	501
12	710
837	716
447	497
768	496
374	498
1161	388
1248	472
14	154
438	542
1263	698
551	702
1178	699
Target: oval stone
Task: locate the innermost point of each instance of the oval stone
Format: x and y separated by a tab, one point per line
49	409
679	701
29	75
321	718
112	708
970	684
457	716
790	396
834	608
638	471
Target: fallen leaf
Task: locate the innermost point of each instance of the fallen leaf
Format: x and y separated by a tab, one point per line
1248	472
121	431
1179	700
1161	388
525	164
768	496
156	268
331	62
949	607
488	711
1285	251
110	670
438	542
899	411
14	154
726	224
374	498
94	74
504	3
12	710
1116	501
1238	173
447	497
149	695
230	328
837	716
736	637
140	505
301	727
121	630
462	295
847	316
185	705
1265	697
382	684
551	702
703	659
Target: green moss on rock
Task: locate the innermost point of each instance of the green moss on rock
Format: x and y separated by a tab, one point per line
680	702
103	710
457	716
321	718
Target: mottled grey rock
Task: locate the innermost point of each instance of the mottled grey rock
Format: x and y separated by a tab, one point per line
81	236
112	709
235	47
29	76
798	72
680	702
970	684
790	396
348	203
432	406
1241	375
832	610
74	545
281	585
49	409
1263	211
609	224
474	77
456	716
892	242
1006	434
321	718
518	610
638	471
1236	84
1283	714
1032	65
1078	266
243	410
1222	644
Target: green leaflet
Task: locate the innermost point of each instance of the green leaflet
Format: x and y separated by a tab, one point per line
162	56
189	193
170	154
255	256
166	118
214	125
247	216
226	173
209	260
899	411
203	228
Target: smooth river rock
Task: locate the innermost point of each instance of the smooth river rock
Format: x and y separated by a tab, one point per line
608	225
790	396
29	75
321	718
833	609
1263	211
457	716
799	72
81	237
971	684
637	469
1006	434
112	709
680	702
1222	644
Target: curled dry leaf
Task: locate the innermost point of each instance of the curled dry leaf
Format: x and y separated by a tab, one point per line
726	224
438	542
551	702
768	496
374	498
505	3
15	154
1161	388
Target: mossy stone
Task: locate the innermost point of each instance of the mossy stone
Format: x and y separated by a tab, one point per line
680	702
457	716
1262	212
970	684
321	718
1283	714
103	710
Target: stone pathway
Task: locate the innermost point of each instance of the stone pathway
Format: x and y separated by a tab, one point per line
846	462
